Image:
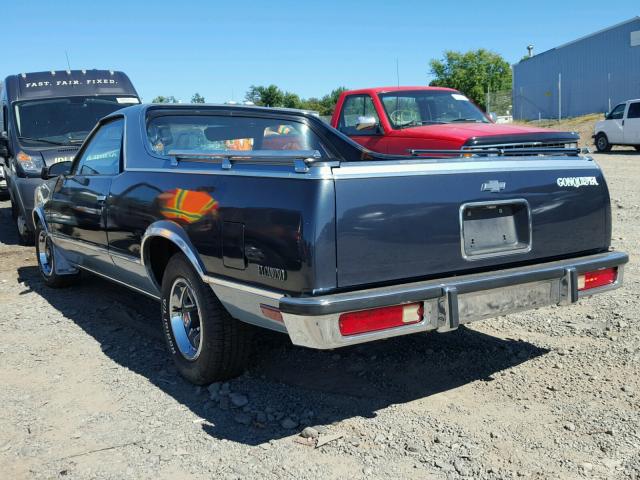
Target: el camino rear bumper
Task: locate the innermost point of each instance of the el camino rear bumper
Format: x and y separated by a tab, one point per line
447	303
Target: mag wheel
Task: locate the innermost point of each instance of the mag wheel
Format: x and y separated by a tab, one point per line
207	344
45	254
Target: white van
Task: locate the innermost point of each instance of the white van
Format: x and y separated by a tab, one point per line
621	126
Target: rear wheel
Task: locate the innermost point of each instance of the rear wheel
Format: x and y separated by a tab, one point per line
602	143
207	344
45	254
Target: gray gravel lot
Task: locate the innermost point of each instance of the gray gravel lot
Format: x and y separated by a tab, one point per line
87	390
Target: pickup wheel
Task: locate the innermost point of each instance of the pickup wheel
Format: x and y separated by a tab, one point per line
602	143
207	344
25	236
45	254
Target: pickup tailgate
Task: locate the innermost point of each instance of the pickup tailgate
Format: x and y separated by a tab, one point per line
401	220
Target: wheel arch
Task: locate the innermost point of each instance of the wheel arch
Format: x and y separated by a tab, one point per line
160	242
38	217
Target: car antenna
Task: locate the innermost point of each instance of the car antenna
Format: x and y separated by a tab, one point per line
68	64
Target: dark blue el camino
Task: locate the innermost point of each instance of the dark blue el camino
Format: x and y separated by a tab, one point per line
234	215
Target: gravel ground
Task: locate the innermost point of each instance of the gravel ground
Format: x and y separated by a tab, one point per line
88	391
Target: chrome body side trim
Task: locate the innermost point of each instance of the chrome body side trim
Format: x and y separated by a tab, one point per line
174	233
139	290
400	167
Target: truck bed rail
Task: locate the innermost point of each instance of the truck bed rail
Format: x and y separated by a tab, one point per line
300	159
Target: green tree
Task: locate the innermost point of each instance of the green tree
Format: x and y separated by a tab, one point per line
328	102
270	96
197	98
472	73
291	100
163	99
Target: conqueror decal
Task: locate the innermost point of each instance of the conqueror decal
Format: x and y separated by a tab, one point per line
577	182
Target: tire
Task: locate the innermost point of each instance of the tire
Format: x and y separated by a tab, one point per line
45	255
602	143
25	236
211	347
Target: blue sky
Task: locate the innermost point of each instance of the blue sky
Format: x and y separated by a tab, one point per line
220	48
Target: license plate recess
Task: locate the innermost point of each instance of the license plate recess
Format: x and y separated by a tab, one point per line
491	229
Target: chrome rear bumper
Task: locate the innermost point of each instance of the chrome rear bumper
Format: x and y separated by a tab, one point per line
448	302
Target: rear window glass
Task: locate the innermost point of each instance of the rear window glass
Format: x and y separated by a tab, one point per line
208	133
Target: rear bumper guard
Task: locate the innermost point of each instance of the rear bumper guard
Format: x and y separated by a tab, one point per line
449	302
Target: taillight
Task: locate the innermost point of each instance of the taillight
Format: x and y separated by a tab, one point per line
598	278
363	321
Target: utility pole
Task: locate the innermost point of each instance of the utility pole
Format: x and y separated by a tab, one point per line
559	96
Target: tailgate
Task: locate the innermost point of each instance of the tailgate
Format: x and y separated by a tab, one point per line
400	220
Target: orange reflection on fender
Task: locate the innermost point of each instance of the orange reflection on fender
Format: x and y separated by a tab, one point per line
186	205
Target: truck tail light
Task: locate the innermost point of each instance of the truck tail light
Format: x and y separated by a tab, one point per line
363	321
598	278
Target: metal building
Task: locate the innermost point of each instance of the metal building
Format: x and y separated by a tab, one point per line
588	75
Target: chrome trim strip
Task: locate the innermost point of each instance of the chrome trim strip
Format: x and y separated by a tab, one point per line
80	243
430	167
242	287
139	290
174	233
527	249
127	258
316	172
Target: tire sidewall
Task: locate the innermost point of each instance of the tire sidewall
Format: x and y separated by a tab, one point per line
606	146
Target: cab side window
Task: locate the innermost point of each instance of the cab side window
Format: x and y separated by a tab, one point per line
354	107
617	113
102	154
634	110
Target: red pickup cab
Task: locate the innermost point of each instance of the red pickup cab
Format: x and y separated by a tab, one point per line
395	120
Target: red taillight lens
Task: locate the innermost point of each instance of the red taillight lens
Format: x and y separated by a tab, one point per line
596	279
375	319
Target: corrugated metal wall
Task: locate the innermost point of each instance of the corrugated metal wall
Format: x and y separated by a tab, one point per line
596	73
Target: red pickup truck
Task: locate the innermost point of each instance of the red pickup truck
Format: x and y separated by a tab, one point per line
395	120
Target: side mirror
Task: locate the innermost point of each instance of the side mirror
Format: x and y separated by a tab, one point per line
493	117
55	170
365	123
606	115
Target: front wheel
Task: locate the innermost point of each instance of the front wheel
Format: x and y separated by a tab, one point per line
45	254
207	344
25	236
602	143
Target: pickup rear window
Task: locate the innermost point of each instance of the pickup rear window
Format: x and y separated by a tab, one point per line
208	133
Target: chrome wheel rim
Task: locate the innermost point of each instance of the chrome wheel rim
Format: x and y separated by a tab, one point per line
45	255
185	317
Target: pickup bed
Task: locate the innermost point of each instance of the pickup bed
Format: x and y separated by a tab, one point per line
235	215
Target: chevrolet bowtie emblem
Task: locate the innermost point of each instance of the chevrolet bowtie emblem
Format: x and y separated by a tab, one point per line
493	186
